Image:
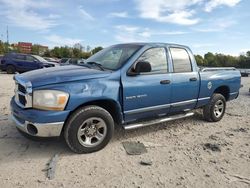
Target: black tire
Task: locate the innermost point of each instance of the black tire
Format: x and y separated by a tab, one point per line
209	113
76	122
10	69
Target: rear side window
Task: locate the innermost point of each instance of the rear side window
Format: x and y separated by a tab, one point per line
19	57
181	60
157	59
29	58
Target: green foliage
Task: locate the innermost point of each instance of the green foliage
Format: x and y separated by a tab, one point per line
221	60
47	53
3	47
96	49
35	49
200	60
67	52
86	55
76	53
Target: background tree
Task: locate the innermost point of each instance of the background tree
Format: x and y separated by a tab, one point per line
76	53
96	49
210	59
66	52
35	49
200	60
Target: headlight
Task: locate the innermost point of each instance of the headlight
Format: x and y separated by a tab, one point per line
50	99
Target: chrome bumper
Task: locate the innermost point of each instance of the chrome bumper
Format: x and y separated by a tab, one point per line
43	129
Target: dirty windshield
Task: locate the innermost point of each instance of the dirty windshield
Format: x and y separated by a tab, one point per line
113	57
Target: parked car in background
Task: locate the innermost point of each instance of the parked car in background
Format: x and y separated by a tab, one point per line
244	72
1	57
46	64
63	60
52	60
74	61
17	62
128	85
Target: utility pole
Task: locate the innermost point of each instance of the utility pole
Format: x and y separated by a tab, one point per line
7	33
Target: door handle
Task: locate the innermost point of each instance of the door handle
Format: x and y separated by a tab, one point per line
165	82
193	79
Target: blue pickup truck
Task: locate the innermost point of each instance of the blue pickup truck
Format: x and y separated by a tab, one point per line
130	85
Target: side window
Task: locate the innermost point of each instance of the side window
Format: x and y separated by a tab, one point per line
29	58
157	59
181	60
19	57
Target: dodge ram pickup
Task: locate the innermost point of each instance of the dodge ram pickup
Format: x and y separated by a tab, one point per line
130	85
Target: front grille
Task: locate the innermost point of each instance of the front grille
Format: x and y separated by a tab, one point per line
21	88
23	93
22	99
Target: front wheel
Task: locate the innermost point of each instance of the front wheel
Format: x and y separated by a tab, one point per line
215	109
89	129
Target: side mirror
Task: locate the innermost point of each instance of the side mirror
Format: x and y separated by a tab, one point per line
140	67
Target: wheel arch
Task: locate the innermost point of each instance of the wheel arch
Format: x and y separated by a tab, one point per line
110	105
223	90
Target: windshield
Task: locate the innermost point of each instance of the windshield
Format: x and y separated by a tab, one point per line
41	59
114	57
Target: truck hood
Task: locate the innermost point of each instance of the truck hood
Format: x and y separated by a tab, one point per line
60	74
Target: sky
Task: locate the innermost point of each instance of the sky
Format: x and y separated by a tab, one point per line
218	26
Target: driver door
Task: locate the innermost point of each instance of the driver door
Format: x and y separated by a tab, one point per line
147	94
30	63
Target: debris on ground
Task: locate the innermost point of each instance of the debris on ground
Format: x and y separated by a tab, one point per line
238	178
5	135
134	148
146	162
244	130
3	117
229	134
213	147
52	167
213	137
153	145
236	115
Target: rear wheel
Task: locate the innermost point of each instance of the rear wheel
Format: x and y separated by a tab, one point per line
215	109
89	129
10	69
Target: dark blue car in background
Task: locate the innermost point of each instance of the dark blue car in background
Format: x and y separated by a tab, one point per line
17	62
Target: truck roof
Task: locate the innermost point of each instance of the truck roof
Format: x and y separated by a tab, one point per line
153	44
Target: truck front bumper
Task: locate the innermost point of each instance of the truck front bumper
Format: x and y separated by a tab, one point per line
37	122
39	129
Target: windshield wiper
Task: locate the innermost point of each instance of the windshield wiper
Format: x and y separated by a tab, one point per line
84	65
96	64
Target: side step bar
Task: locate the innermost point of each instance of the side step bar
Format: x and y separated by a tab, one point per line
161	120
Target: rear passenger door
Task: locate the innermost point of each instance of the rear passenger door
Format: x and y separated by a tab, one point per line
185	80
31	63
19	61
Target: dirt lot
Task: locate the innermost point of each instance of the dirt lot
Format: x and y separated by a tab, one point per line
176	149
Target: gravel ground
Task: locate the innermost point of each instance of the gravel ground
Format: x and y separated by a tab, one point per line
177	151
